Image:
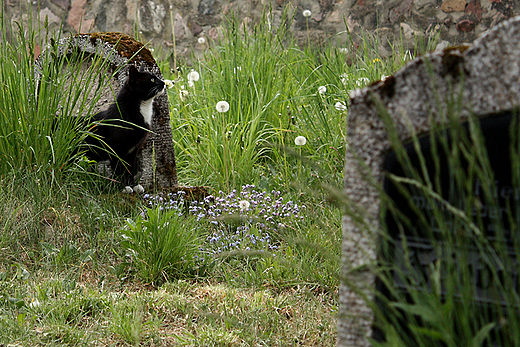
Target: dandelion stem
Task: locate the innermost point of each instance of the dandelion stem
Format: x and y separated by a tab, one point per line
173	37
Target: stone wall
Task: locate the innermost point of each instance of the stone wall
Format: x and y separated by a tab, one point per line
456	21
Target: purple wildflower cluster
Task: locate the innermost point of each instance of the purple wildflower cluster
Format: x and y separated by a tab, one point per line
242	220
172	201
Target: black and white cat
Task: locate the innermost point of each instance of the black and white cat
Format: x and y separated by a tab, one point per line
120	131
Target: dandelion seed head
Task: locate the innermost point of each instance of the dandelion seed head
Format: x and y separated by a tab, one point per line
183	94
222	106
300	140
193	76
307	13
244	204
201	40
322	89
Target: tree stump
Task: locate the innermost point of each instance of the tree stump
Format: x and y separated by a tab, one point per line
157	158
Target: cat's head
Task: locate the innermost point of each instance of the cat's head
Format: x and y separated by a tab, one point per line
145	85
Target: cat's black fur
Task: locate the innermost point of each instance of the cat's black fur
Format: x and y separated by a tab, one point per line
122	128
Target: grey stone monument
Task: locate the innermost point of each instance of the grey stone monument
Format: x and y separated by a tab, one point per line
486	76
157	158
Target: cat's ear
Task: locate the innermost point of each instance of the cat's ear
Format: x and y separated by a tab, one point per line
132	72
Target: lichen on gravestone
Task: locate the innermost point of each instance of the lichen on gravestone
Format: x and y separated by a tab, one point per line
486	78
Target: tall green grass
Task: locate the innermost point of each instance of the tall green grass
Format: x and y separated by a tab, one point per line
39	103
268	82
277	91
41	136
163	245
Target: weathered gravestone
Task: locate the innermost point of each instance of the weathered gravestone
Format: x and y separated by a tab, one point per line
485	79
116	51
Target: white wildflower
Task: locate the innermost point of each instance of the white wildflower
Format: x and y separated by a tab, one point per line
183	93
307	13
340	106
193	76
244	204
322	89
344	78
300	140
34	303
222	106
201	40
363	81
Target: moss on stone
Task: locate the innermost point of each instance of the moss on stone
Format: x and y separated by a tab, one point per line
125	45
458	49
452	60
387	87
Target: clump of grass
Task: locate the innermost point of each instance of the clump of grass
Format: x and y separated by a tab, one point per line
39	130
163	245
133	323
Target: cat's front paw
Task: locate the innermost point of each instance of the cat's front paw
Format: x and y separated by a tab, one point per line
128	190
138	189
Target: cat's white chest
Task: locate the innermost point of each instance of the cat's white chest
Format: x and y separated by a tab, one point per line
146	109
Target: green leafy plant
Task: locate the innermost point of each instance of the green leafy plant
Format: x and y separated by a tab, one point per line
162	244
